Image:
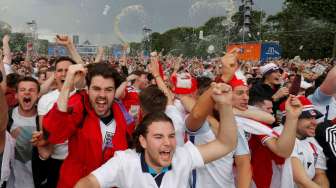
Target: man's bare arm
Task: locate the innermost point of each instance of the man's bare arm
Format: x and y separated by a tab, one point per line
3	110
67	42
3	84
6	50
321	178
283	146
99	55
226	139
300	176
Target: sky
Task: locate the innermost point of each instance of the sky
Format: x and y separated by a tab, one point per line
95	20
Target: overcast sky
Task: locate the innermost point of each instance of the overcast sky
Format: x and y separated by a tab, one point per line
94	19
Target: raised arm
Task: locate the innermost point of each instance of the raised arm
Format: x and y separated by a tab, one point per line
200	111
123	60
205	104
3	73
3	110
45	87
226	139
67	42
75	73
121	90
99	55
6	49
229	64
283	146
155	70
63	118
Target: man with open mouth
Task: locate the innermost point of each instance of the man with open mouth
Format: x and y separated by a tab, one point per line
93	121
7	143
307	161
22	124
156	161
54	153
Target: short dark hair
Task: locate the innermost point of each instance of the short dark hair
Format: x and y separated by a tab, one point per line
256	100
139	72
142	128
291	75
252	81
105	70
152	99
203	84
28	79
64	58
12	80
42	58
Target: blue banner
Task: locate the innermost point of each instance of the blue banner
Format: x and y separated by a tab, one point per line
117	53
57	51
270	51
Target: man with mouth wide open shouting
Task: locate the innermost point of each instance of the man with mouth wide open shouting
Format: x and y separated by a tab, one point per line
22	123
95	124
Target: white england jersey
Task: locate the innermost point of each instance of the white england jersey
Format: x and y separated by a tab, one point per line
125	170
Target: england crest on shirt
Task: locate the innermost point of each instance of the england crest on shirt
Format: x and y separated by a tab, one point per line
108	139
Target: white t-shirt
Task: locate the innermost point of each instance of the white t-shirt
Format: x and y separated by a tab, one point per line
44	105
311	155
178	120
46	102
309	152
21	121
218	173
178	104
124	169
23	176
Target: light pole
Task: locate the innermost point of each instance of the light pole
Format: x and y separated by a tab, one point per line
33	31
246	8
146	40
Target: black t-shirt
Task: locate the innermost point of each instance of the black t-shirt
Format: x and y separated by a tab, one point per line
326	137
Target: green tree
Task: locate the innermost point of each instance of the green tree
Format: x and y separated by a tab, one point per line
320	9
299	34
43	47
18	42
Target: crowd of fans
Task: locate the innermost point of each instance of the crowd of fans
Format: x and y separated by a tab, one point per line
165	121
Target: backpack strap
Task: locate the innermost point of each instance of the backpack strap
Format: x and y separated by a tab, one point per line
37	120
129	119
10	120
